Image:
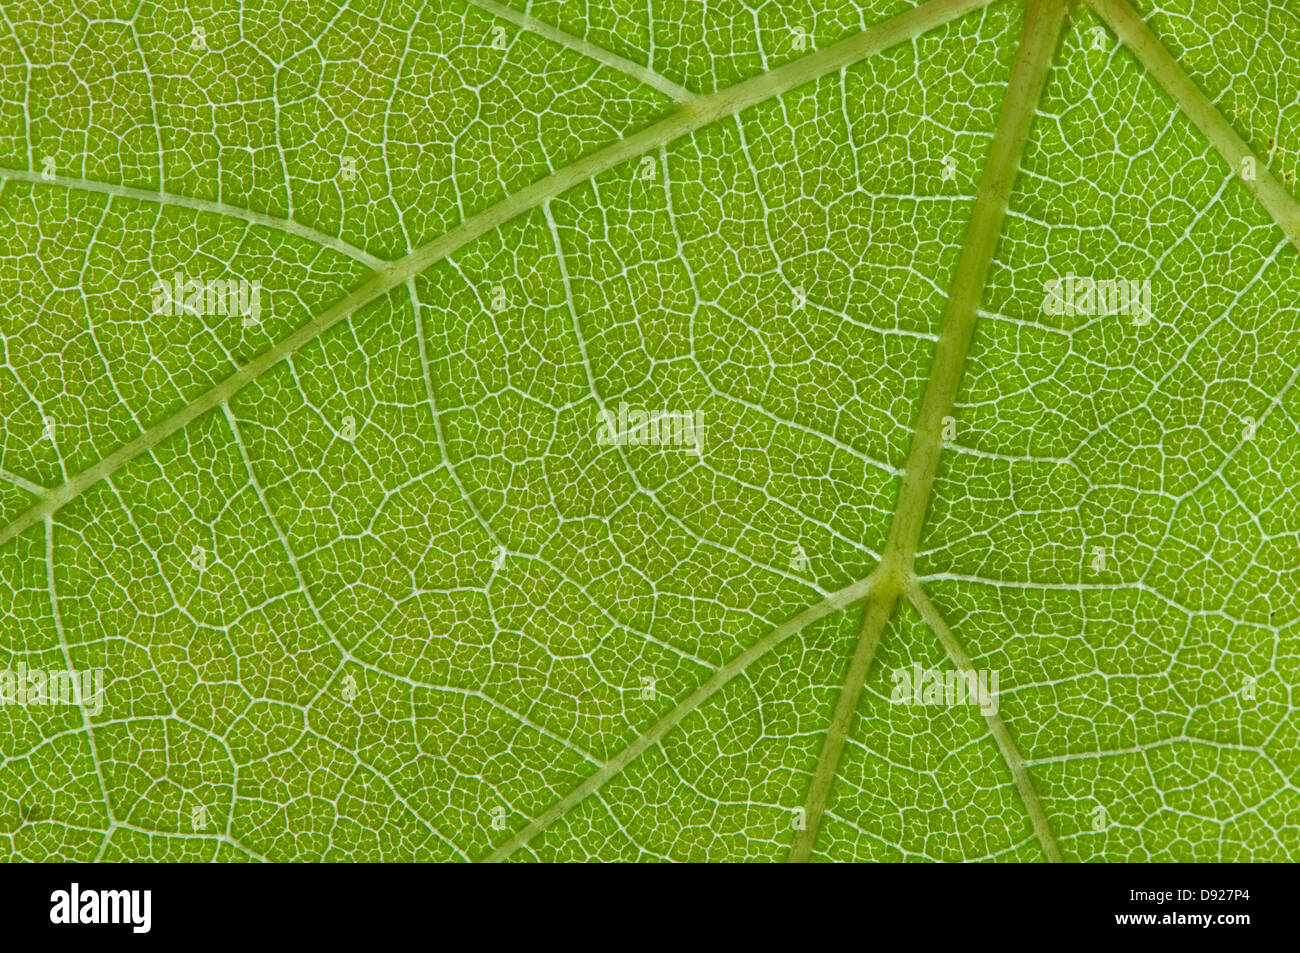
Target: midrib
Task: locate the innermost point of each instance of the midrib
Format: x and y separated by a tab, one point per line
1044	20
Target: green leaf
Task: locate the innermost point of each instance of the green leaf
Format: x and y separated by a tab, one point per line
565	431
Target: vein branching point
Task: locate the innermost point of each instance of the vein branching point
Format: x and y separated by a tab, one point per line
1044	20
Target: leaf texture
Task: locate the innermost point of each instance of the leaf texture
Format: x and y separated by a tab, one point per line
381	568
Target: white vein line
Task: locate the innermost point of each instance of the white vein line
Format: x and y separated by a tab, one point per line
483	697
311	603
446	463
201	205
1146	748
348	657
590	50
647	492
57	616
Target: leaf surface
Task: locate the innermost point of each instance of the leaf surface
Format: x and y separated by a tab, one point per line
364	575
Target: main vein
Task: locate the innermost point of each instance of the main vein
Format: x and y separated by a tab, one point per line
1044	20
688	117
907	25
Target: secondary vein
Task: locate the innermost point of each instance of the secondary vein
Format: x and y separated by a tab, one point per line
917	595
590	50
172	199
835	601
688	117
1180	87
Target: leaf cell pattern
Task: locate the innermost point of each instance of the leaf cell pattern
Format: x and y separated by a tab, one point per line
370	574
